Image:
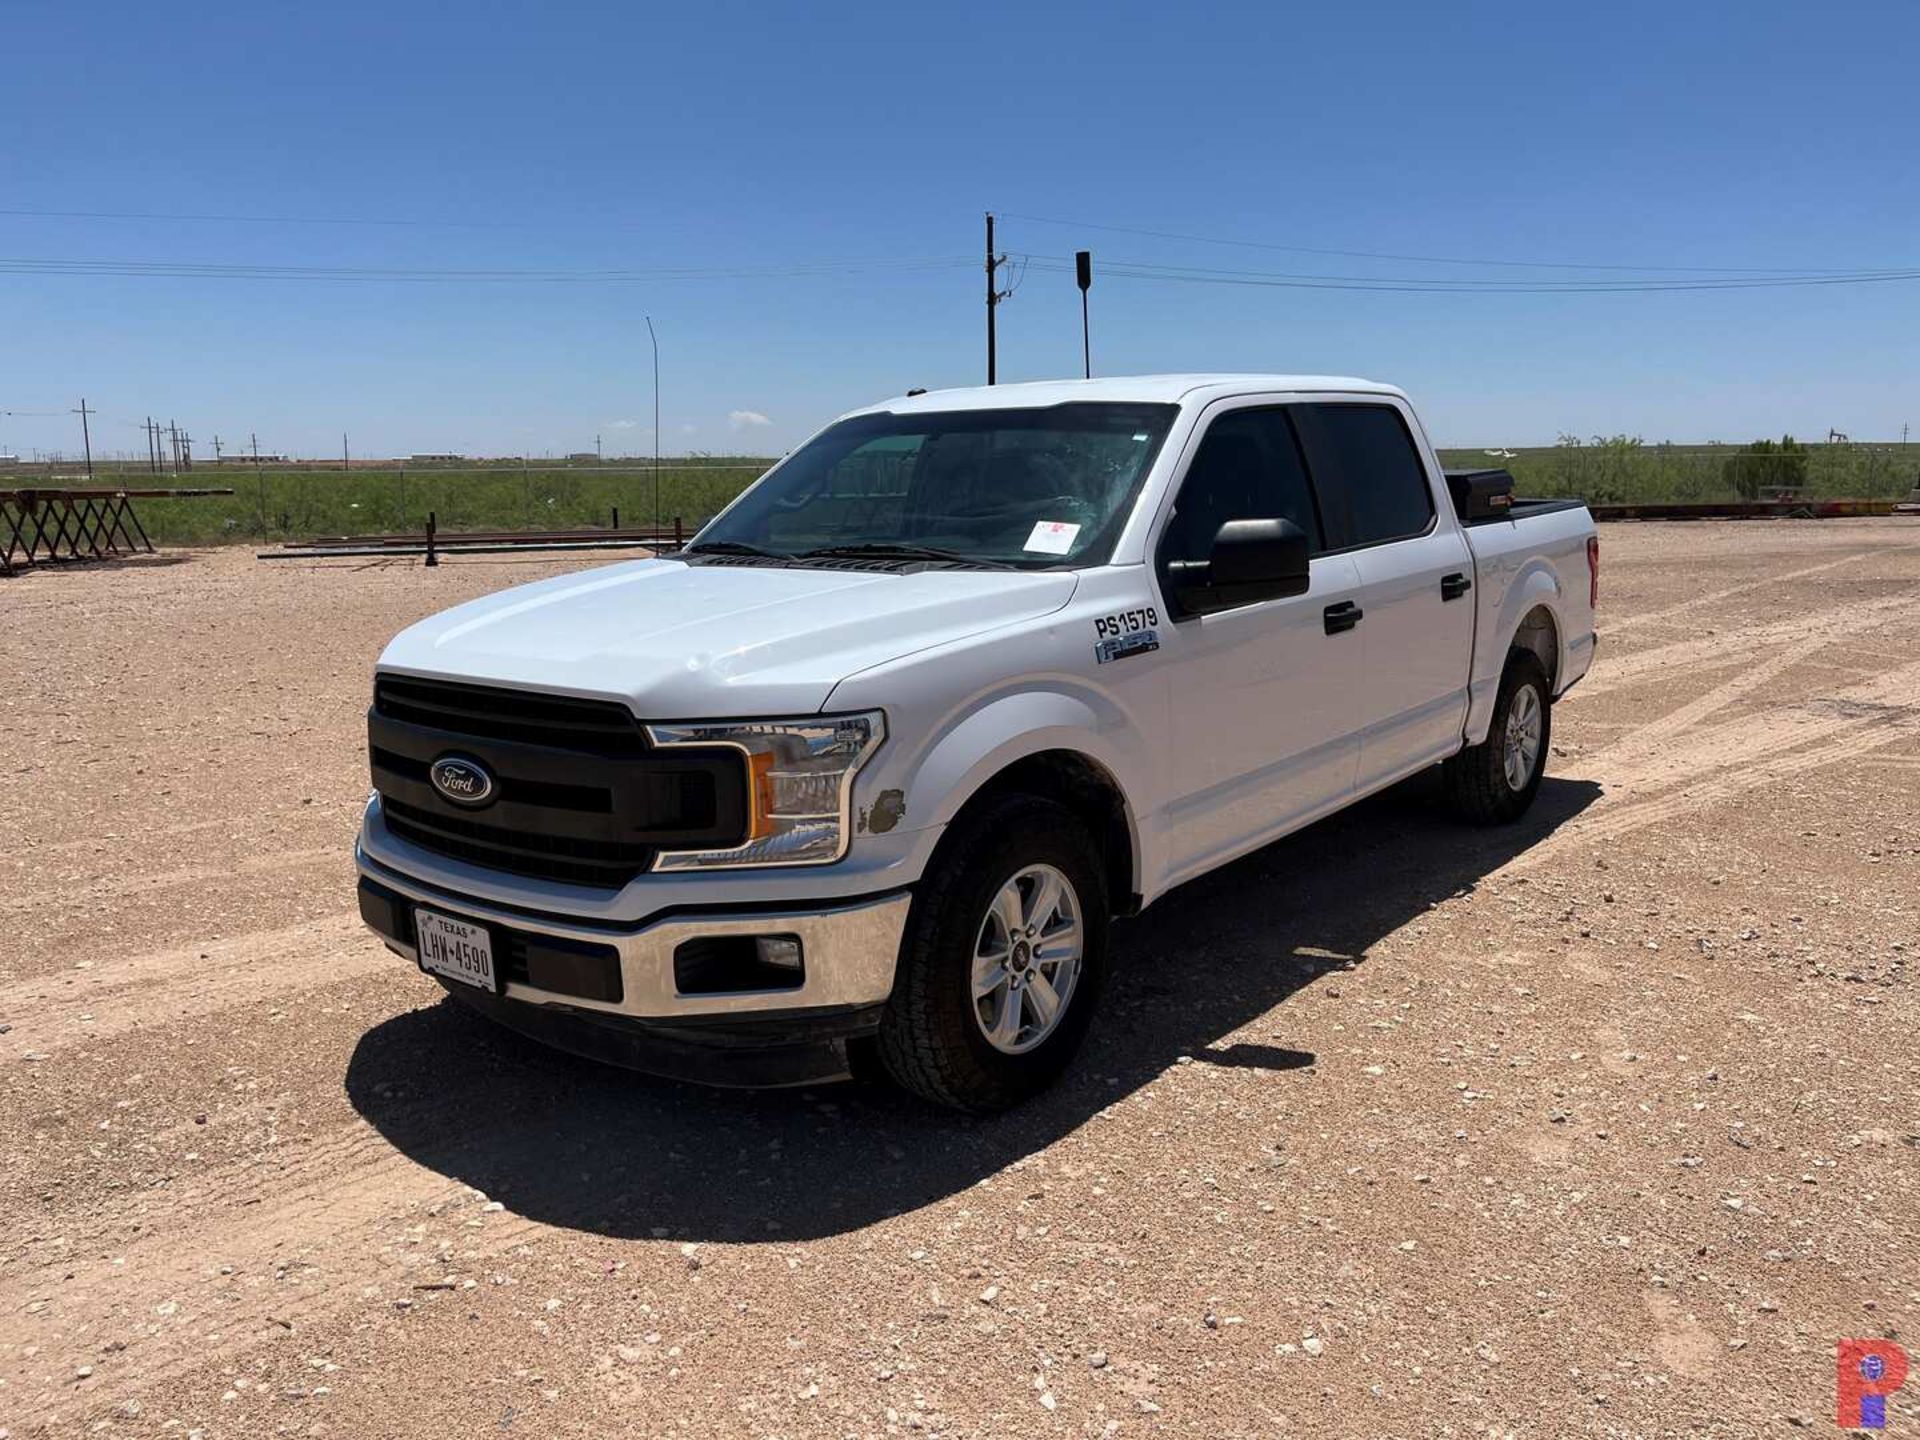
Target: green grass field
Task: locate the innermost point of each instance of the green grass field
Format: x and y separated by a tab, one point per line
282	503
1623	471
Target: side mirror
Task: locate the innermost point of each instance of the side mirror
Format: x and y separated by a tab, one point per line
1251	560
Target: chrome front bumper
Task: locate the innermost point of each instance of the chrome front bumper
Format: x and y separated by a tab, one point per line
848	952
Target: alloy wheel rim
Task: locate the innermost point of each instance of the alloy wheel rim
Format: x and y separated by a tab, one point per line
1522	748
1027	959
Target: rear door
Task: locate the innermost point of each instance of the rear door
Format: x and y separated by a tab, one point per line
1383	511
1261	694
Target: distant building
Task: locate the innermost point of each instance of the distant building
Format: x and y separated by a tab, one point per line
434	459
580	455
249	458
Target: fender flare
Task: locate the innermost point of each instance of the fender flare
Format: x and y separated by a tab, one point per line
999	731
1537	587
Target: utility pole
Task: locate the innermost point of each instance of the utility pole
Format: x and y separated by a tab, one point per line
186	451
994	296
346	458
216	447
598	458
86	436
656	426
173	443
259	480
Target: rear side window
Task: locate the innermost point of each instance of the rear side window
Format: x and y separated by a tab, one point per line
1248	467
1367	472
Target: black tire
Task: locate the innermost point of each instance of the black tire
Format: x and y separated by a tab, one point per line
1477	785
931	1040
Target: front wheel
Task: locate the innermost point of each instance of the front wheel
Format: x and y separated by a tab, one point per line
1495	781
1003	959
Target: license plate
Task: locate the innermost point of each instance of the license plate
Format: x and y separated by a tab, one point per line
457	949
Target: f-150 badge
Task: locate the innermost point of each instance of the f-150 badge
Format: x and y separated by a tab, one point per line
1131	632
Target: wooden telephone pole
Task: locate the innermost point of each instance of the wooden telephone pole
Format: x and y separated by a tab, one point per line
86	435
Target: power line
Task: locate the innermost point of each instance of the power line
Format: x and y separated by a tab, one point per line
1420	286
262	219
1146	269
1136	270
1430	259
240	270
384	221
409	222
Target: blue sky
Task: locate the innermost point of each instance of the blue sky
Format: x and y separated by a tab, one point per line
832	163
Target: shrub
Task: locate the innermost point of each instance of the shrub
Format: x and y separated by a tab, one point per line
1766	466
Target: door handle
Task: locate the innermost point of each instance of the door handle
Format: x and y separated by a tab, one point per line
1343	616
1453	586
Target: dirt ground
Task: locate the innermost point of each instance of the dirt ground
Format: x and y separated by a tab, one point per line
1607	1123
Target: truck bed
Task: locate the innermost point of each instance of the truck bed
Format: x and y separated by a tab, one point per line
1523	509
1481	497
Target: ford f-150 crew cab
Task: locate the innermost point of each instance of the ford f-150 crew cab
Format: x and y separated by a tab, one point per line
873	761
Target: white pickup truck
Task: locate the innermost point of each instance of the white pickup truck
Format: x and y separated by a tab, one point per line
870	765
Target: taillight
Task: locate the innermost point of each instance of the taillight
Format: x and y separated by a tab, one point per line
1593	572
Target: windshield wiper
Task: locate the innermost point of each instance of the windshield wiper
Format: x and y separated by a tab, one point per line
901	550
735	547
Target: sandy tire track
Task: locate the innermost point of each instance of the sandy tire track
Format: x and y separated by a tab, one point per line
104	887
1819	628
1691	769
184	982
227	1263
1747	587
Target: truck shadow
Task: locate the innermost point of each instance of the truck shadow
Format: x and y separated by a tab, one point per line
574	1144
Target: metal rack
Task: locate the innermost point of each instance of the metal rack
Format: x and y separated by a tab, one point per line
41	526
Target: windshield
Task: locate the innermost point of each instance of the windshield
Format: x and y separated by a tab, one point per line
1031	488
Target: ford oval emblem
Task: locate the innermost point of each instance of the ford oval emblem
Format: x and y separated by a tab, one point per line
462	780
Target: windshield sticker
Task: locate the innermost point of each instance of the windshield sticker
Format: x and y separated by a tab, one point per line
1052	537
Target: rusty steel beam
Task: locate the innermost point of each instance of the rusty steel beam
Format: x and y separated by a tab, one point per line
41	525
442	548
1747	510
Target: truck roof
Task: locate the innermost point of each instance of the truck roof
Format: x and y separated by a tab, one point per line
1124	389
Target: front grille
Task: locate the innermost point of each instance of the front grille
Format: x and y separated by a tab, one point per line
594	727
579	795
602	864
594	799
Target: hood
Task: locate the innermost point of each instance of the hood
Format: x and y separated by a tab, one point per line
697	642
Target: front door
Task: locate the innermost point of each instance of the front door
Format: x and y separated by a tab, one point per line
1262	694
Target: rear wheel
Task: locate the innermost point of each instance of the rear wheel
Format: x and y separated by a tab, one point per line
1495	781
1003	958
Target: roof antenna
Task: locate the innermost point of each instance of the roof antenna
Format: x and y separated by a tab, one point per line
917	390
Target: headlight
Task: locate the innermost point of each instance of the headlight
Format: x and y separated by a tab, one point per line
799	786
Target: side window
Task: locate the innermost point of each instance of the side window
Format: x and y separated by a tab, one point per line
1248	467
1367	472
